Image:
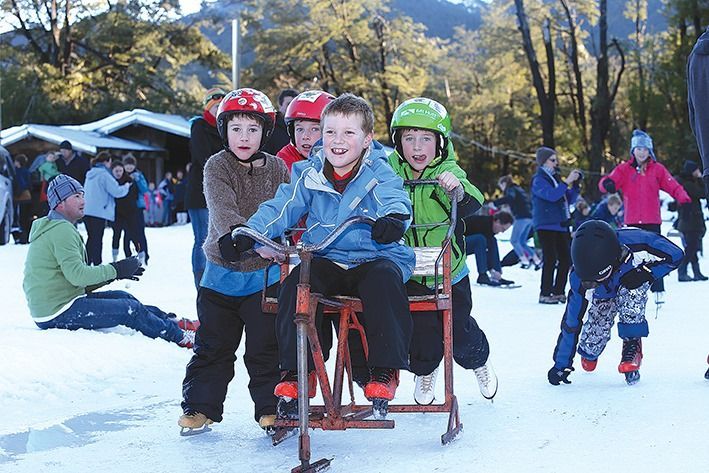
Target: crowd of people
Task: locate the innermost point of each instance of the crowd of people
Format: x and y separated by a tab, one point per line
311	164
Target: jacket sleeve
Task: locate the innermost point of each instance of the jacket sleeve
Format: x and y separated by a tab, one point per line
472	198
667	255
115	189
199	144
617	175
670	185
390	194
69	252
571	324
544	190
224	211
290	203
142	184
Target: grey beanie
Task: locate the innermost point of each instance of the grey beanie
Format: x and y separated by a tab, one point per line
543	154
61	188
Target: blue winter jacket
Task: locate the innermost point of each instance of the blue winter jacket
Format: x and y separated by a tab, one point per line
550	208
101	190
658	253
375	191
142	184
518	201
601	212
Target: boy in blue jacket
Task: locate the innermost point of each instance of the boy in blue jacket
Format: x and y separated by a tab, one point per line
612	272
348	176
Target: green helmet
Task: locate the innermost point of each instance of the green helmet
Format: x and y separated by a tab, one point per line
425	114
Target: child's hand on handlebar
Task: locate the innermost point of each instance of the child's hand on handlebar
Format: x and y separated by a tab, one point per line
230	249
451	184
389	228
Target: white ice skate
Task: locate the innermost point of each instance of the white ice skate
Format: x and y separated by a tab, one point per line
425	391
487	380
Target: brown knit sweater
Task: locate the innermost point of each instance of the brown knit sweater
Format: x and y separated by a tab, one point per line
233	195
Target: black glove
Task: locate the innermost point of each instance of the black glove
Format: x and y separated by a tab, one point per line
609	186
389	228
230	249
559	375
128	268
636	277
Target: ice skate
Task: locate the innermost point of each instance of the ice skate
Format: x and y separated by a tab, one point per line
381	389
588	365
631	360
194	423
487	380
187	339
424	392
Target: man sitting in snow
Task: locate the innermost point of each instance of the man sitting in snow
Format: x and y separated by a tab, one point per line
60	286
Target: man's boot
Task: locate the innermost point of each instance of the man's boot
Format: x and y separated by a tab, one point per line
682	275
698	276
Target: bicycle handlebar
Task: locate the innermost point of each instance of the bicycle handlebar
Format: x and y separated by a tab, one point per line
286	249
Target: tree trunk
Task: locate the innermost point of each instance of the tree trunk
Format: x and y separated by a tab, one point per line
580	101
547	100
601	103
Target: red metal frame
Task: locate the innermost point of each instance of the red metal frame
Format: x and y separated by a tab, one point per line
333	414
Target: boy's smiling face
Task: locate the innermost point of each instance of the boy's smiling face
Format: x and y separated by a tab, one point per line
244	135
419	147
306	133
344	141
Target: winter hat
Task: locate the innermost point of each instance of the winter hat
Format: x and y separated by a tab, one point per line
66	145
689	167
212	97
61	188
642	139
543	154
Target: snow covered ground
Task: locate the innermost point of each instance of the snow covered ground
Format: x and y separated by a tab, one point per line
109	401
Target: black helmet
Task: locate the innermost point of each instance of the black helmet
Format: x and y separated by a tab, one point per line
595	250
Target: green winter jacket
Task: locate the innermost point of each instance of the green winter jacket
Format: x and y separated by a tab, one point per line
55	270
431	204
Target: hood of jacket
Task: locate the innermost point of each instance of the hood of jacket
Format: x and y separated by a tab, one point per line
43	225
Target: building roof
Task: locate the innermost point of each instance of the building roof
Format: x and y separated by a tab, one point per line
175	124
82	140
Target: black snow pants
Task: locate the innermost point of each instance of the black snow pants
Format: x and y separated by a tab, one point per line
223	321
470	345
386	319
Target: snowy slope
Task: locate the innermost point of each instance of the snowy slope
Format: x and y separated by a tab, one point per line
109	401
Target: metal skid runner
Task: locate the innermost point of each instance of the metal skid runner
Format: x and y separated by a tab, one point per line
333	414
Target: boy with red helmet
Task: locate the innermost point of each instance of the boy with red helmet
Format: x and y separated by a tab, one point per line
303	123
237	180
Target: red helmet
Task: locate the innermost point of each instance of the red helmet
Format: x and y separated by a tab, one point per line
306	106
250	102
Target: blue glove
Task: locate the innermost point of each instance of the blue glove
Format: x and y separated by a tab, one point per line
559	375
636	277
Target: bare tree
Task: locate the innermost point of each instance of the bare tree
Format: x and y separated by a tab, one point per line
578	98
602	103
545	96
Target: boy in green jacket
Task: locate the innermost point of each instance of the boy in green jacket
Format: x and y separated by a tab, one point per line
59	285
420	131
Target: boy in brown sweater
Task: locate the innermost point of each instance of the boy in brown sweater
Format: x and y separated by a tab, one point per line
236	181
